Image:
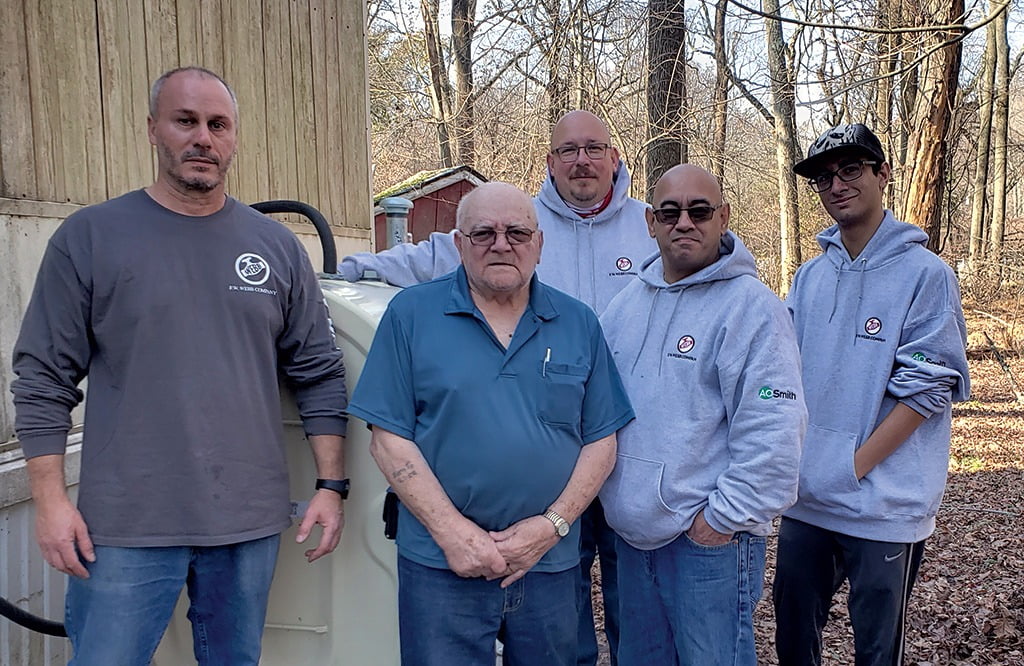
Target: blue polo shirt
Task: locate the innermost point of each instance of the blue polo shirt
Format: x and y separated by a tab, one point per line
501	428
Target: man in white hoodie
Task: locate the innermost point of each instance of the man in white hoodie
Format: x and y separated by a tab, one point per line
709	359
882	338
594	238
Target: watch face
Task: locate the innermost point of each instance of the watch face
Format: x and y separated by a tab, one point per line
563	529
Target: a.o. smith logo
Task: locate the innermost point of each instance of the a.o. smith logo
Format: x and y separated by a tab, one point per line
768	393
873	326
252	268
918	356
623	263
685	344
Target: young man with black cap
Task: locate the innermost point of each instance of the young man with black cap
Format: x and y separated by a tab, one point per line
882	337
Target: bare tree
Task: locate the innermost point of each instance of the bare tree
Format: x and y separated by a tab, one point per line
721	111
784	112
1000	133
986	85
926	152
440	88
463	29
666	88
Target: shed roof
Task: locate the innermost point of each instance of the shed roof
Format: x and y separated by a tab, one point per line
426	182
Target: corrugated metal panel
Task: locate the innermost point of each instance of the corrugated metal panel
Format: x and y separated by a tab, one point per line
27	580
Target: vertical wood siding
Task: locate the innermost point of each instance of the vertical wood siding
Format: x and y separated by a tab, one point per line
74	96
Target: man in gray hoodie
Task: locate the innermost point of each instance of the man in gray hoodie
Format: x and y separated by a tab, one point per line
882	339
594	238
709	359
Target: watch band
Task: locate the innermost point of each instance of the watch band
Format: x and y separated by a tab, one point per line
339	486
561	524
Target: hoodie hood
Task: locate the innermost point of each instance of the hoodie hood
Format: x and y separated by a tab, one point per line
891	240
734	259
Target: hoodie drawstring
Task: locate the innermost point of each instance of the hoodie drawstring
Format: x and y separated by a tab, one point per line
593	270
647	332
835	293
576	238
863	262
647	329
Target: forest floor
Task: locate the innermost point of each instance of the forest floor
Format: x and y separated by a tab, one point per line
968	604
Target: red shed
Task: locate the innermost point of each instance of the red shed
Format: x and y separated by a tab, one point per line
434	194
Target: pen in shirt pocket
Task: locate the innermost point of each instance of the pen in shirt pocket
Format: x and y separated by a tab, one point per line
544	368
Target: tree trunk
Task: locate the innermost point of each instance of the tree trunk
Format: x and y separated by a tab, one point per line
557	88
926	152
784	112
885	70
666	88
976	251
463	28
721	99
1000	122
440	89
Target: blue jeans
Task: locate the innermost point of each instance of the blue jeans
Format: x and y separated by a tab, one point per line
685	604
119	614
445	620
596	538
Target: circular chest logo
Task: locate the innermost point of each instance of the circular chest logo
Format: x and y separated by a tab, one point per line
623	263
685	344
252	268
872	326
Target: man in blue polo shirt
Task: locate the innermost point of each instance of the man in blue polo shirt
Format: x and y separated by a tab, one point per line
494	404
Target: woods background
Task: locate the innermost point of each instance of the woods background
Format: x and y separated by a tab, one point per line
740	89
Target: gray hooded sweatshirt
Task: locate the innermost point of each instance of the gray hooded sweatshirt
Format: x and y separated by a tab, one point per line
711	366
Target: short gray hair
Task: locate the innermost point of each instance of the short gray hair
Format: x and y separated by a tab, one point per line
158	85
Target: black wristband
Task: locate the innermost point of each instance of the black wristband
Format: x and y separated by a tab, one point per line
340	487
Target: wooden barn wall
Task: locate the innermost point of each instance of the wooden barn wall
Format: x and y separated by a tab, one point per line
75	75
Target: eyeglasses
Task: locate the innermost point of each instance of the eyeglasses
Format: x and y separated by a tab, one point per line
697	214
823	181
595	151
514	236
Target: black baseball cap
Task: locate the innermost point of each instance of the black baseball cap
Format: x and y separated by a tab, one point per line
855	137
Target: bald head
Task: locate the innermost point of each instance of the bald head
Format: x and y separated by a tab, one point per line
495	196
691	174
576	122
158	86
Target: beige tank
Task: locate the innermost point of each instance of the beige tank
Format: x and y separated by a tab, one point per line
342	609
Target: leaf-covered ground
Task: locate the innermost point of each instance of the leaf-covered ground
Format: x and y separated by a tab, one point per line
968	604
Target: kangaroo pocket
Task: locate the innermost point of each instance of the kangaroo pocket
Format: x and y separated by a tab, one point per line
633	504
827	477
562	389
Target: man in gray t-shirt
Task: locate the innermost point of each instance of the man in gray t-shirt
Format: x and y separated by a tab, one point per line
182	305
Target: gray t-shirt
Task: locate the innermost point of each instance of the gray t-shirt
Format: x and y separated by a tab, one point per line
182	325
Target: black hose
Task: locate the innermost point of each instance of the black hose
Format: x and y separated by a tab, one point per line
323	229
30	621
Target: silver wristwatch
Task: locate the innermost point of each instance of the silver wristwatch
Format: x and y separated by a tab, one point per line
561	526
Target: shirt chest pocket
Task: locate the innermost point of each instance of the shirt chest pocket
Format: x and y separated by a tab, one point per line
561	394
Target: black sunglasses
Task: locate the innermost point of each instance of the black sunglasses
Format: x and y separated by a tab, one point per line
697	214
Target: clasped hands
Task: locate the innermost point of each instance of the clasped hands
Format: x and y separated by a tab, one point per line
473	552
